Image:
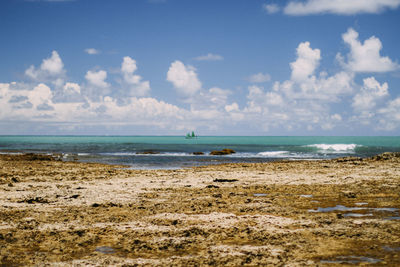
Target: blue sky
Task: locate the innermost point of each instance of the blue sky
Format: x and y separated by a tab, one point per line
164	67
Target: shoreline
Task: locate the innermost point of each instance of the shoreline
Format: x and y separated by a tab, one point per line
63	213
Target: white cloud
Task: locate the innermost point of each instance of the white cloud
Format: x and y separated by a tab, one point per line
209	57
72	88
232	107
133	82
306	63
41	94
92	51
340	7
390	115
365	57
128	65
213	99
259	78
50	68
271	8
369	95
306	101
97	78
184	78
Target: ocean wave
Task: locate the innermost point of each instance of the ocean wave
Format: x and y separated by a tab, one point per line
335	147
159	154
274	154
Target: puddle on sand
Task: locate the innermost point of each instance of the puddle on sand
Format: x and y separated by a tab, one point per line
385	209
259	195
306	196
357	215
105	250
393	218
361	203
337	207
351	260
344	208
391	249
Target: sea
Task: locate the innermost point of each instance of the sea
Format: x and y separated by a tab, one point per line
174	152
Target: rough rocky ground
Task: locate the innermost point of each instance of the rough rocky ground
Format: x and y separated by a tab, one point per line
295	213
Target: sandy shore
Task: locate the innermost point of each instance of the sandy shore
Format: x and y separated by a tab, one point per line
295	213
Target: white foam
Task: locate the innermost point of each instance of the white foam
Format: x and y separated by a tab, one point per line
335	147
161	154
274	154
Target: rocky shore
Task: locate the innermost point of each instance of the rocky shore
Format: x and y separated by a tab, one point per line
296	213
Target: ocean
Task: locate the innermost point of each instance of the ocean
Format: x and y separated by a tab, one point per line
171	152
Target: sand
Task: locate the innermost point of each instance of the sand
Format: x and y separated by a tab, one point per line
286	213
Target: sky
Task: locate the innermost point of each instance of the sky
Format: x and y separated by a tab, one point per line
226	67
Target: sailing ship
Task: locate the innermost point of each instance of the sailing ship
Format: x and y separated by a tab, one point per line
190	135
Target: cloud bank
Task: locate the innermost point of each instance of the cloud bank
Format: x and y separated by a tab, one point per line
305	102
339	7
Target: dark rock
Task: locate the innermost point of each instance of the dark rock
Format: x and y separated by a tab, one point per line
386	156
198	153
225	180
349	159
34	200
212	186
225	151
149	152
349	194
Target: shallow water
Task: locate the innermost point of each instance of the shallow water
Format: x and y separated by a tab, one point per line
177	152
344	208
393	218
105	250
357	215
336	208
352	260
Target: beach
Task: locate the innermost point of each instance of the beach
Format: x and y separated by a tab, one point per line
288	212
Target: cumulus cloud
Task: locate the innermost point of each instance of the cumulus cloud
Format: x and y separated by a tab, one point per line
213	99
184	78
370	94
306	63
96	87
232	107
340	7
133	82
72	88
51	67
209	57
365	57
306	101
259	78
390	115
97	78
271	8
92	51
303	100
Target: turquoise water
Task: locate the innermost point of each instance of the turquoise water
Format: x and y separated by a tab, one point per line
176	151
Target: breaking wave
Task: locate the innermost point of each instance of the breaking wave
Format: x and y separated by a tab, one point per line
335	147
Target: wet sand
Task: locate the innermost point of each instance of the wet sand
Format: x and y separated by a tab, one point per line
296	213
